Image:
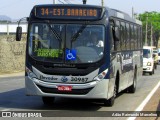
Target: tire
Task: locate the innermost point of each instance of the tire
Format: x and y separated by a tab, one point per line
48	100
110	102
153	71
132	88
143	73
155	66
150	73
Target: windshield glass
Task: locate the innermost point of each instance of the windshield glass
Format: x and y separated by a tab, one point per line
66	43
146	53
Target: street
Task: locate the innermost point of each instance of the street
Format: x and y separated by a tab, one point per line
13	98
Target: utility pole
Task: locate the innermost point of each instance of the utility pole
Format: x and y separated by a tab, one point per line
84	2
132	12
7	27
102	2
54	1
146	30
151	36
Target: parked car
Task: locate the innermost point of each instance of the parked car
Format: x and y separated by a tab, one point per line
155	52
148	60
159	58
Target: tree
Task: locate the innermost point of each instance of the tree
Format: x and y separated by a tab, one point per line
153	21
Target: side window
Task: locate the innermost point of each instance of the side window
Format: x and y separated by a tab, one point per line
122	38
127	36
135	37
132	36
141	41
111	38
117	34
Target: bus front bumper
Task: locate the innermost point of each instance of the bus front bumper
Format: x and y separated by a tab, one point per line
93	90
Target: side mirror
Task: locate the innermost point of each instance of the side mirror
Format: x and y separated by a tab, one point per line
18	33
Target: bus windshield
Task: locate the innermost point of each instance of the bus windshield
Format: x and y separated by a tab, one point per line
66	43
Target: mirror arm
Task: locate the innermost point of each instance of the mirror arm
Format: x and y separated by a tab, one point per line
24	18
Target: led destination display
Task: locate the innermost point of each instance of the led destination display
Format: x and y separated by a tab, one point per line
67	12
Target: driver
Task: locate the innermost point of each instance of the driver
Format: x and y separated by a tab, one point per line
95	42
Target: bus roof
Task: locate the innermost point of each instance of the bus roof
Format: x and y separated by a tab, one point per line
122	15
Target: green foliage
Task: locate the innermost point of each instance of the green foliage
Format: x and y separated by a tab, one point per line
152	18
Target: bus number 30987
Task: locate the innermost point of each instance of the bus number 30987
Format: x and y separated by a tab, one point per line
79	79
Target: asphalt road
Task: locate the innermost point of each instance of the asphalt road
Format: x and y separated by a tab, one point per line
12	98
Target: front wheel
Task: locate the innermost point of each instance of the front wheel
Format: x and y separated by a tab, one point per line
110	102
151	72
155	66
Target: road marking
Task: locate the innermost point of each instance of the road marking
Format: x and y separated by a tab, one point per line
140	108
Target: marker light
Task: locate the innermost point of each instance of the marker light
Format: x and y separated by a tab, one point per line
30	73
149	64
101	75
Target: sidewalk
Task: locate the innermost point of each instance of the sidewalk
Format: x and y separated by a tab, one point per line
12	74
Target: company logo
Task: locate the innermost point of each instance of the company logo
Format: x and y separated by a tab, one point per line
64	79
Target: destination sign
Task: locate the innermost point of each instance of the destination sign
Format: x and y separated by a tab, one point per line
62	12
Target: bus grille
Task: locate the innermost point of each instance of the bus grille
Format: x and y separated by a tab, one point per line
74	91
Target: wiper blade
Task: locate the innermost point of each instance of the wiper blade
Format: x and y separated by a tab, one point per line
76	35
54	32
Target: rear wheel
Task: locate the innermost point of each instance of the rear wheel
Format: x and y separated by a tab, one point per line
48	100
132	88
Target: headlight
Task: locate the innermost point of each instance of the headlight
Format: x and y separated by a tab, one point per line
30	73
149	64
101	75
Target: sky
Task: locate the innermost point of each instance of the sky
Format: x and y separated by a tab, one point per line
16	9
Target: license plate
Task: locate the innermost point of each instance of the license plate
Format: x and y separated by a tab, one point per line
65	88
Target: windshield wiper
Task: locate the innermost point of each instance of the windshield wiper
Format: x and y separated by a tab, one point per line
54	32
78	33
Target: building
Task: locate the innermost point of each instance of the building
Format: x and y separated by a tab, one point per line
10	28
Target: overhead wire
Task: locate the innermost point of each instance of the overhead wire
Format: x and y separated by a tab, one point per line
67	1
61	1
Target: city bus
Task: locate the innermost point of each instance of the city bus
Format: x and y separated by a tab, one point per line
81	51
